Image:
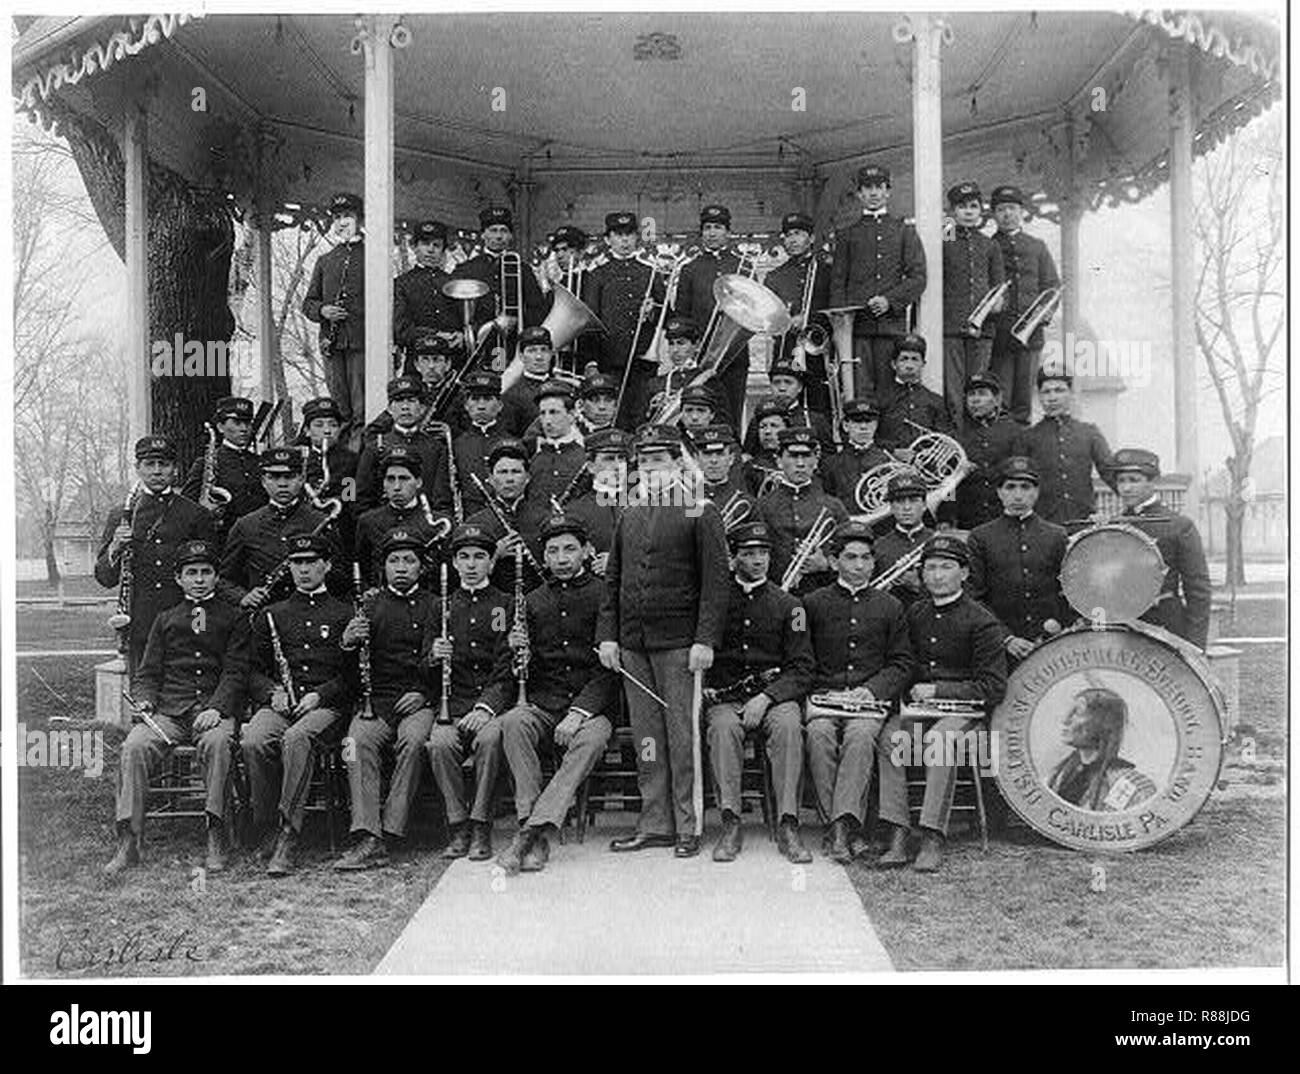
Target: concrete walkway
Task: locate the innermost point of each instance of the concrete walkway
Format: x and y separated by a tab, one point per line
595	912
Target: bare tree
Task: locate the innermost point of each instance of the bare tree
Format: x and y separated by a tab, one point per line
1240	295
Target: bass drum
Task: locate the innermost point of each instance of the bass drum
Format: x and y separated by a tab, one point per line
1112	573
1110	738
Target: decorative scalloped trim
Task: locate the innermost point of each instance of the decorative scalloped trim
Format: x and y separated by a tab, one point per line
1212	39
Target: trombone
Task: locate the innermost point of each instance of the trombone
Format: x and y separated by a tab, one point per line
1040	311
822	528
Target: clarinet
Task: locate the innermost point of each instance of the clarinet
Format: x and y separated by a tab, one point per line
282	662
444	710
120	620
363	654
332	333
521	623
742	689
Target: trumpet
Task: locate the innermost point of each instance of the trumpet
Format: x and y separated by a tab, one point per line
980	314
736	511
822	528
1040	311
891	574
943	706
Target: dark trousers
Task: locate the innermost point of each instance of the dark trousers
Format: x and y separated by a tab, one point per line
873	368
963	356
665	764
345	378
1015	367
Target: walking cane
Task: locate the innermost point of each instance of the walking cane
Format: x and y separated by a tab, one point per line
697	781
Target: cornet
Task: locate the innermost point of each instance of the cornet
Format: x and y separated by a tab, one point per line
822	529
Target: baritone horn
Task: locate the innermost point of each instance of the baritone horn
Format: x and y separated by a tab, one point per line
841	376
568	319
1040	311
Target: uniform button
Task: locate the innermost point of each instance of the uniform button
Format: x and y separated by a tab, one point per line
853	622
934	639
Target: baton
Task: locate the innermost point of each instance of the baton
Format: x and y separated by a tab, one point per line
636	682
697	781
149	720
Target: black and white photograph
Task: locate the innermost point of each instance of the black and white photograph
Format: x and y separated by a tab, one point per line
750	494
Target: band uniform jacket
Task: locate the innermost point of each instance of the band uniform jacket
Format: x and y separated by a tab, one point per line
402	629
960	648
972	266
554	465
1030	270
237	472
564	671
418	303
892	545
526	517
1065	451
695	300
791	511
196	658
1183	607
731	492
162	522
519	402
901	404
472	446
310	626
666	579
878	256
339	279
342	463
598	513
614	289
432	449
487	268
260	541
1015	567
842	471
765	630
859	639
788	282
377	523
988	442
478	622
798	413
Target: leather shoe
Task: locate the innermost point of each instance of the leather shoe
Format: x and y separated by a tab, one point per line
480	841
512	858
896	855
730	841
367	853
267	846
215	859
789	843
840	849
687	846
639	841
931	854
128	854
458	845
281	863
539	853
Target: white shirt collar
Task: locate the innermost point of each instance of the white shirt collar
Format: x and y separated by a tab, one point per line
875	214
400	592
315	592
476	588
849	589
573	436
909	534
749	587
942	602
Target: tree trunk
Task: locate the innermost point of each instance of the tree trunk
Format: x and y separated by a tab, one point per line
191	239
47	539
1233	525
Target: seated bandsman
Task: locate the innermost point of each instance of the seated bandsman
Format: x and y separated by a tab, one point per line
759	676
681	341
569	695
860	453
405	507
484	425
860	642
479	615
907	407
397	626
1184	604
1065	451
906	495
597	403
259	542
760	468
788	382
1015	563
957	643
559	454
989	437
520	399
715	451
598	504
189	688
508	484
794	505
301	683
234	468
160	519
331	466
407	407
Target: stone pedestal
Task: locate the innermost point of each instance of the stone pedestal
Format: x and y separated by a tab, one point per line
110	679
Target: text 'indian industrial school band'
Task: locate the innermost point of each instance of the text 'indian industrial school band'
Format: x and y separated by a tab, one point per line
558	524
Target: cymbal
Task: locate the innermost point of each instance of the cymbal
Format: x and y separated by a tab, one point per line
466	290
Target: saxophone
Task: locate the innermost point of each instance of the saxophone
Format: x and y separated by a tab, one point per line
210	493
120	620
282	662
363	654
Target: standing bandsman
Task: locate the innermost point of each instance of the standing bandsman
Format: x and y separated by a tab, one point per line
860	453
397	626
191	684
695	302
665	607
497	235
484	426
479	615
789	280
335	300
259	542
907	407
407	407
793	505
1065	452
989	437
235	467
570	695
1015	563
567	266
597	403
763	669
1030	270
598	504
559	453
972	266
330	468
906	495
615	290
788	384
160	519
520	399
418	302
299	696
859	639
879	263
1184	604
508	482
957	643
401	472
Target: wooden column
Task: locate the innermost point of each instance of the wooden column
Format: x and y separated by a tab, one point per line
268	345
1182	248
927	34
135	153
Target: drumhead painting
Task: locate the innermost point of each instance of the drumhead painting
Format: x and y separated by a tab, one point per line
1109	739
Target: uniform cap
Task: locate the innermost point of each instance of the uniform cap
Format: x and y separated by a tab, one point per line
155	446
431	343
470	534
658	438
797	222
873	175
196	552
556	389
905	484
852	530
507	448
984	380
321	407
345	203
429	231
1003	194
234	406
309	546
1046	373
484	382
405	388
535	336
1017	468
755	534
963	192
488	217
280	460
557	525
713	438
400	540
681	328
772	408
620	222
1137	460
715	214
911	342
568	235
861	410
609	440
699	395
399	455
800	440
785	367
946	546
599	384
